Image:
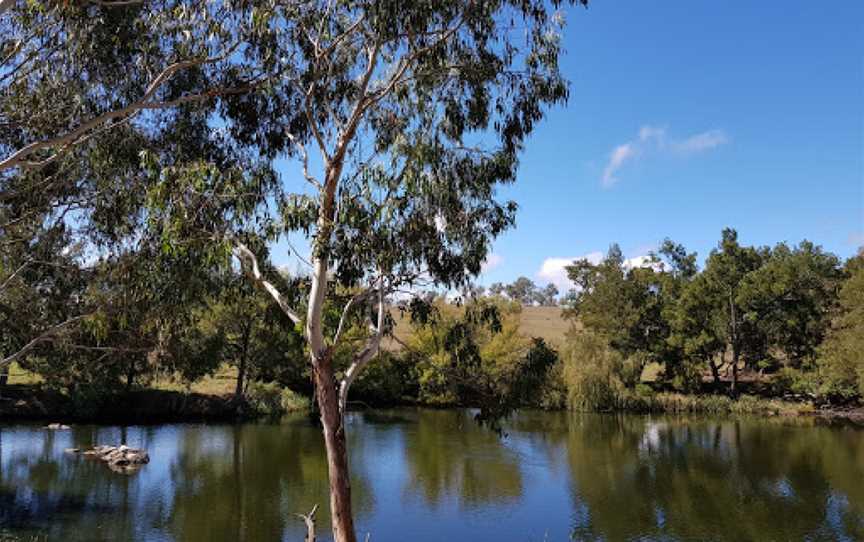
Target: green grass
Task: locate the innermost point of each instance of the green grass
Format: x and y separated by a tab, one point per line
677	403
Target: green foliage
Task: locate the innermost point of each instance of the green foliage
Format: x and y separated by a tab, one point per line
389	379
474	355
841	356
293	402
788	297
593	372
270	399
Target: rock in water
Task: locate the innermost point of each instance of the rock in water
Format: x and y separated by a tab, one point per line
57	426
119	458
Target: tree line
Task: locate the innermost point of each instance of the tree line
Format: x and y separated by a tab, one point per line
787	316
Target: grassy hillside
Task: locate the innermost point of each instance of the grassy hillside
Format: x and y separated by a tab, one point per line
543	322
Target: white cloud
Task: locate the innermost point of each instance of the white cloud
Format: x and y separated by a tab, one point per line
491	262
554	269
653	139
642	261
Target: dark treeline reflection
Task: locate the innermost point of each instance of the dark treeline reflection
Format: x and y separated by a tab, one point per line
424	474
673	478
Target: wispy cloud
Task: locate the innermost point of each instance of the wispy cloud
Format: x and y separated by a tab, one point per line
617	158
653	139
701	142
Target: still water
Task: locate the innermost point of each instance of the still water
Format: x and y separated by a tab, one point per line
425	475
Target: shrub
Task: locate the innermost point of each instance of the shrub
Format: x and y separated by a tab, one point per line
388	379
293	402
553	392
592	373
270	399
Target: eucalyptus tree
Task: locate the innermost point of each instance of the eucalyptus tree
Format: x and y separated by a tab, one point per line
84	88
522	290
631	307
547	296
622	304
417	112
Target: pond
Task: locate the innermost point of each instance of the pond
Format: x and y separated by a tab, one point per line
429	475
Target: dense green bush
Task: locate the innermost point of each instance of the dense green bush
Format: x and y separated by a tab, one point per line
592	373
389	379
270	399
841	356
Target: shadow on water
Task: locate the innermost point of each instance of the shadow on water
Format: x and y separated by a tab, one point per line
435	474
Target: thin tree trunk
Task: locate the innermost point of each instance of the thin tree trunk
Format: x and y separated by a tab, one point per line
734	369
4	377
715	371
733	326
241	369
337	451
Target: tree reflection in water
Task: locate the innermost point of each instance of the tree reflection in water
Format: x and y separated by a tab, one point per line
433	474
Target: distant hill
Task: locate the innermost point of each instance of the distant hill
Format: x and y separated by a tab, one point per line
544	322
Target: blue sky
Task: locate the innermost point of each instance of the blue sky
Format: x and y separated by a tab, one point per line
748	115
689	116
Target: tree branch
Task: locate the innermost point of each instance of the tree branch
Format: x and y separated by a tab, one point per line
364	356
252	271
309	519
305	156
44	337
76	136
346	311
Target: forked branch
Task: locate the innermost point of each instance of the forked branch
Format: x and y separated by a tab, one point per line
249	264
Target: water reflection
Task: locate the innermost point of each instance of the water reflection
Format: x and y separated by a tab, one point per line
434	475
450	457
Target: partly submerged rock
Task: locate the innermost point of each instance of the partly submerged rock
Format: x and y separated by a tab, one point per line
118	458
57	426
